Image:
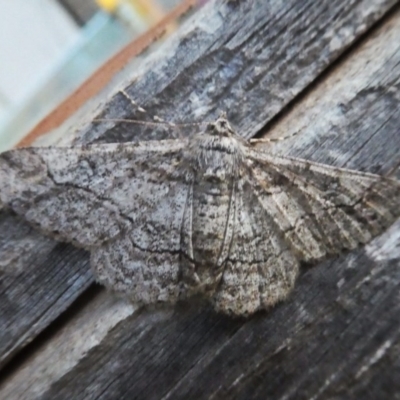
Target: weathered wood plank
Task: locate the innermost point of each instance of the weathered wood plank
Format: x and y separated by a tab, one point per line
39	279
338	336
249	57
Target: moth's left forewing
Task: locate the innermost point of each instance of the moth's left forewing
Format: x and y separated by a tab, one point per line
324	209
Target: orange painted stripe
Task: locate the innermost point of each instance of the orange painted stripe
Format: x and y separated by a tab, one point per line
102	76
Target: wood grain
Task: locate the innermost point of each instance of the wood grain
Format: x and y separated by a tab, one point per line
249	58
39	279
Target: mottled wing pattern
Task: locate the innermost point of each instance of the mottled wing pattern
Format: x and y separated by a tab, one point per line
322	210
260	269
123	202
167	219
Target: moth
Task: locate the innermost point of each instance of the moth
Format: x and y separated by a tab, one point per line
212	215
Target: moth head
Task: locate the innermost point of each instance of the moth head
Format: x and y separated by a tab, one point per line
220	127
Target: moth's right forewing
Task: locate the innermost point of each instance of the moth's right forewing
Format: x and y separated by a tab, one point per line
81	194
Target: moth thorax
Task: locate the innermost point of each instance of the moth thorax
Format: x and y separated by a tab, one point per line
217	152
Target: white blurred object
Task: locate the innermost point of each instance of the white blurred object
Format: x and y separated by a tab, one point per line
55	74
45	56
32	34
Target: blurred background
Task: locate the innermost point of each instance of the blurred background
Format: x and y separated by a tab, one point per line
48	48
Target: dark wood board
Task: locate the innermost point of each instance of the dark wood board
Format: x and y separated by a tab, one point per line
249	58
39	279
337	335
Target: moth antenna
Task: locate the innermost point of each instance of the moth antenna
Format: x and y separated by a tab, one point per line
271	140
136	121
157	120
130	121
